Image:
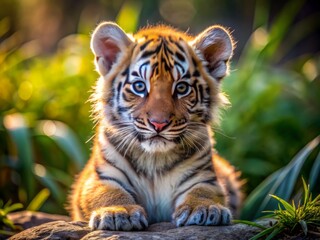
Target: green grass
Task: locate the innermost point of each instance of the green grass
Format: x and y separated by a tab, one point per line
7	227
301	219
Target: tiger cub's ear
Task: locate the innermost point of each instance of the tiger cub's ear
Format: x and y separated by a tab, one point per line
216	46
107	42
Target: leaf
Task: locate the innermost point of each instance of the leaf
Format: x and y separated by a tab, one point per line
8	203
285	204
286	181
20	135
253	224
254	199
60	176
13	207
38	200
304	227
8	222
263	233
281	26
7	233
315	173
65	138
275	232
280	183
306	191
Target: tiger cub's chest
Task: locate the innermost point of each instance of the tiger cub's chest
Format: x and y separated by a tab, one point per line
157	196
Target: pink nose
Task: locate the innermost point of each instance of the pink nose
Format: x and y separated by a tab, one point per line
158	126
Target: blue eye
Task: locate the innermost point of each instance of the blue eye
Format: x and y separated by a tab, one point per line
139	87
183	89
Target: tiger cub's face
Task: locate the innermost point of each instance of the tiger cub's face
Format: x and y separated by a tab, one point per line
160	88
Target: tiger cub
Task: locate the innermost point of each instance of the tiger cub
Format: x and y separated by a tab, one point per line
152	159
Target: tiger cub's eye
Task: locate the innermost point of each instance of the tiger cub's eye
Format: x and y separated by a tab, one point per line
139	87
183	89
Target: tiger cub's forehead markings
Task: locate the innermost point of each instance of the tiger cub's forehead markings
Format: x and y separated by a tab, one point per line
164	57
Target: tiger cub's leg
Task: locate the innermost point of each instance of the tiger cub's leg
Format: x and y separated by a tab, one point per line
106	204
203	205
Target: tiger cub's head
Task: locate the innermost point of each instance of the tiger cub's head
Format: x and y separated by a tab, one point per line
160	87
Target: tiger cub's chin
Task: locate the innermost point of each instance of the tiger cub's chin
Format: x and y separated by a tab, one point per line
152	159
157	145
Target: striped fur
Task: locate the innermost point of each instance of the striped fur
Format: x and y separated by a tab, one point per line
152	158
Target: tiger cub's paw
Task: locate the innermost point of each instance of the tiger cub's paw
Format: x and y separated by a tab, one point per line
214	214
119	218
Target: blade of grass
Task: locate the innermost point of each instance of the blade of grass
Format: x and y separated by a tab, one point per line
254	199
263	233
6	233
281	26
65	138
261	14
315	173
13	207
287	178
20	135
38	200
60	176
275	232
55	189
253	224
304	227
285	204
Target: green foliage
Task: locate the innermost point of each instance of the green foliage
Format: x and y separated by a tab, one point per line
37	164
280	183
6	225
292	219
275	106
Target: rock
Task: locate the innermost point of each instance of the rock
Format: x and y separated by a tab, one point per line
55	230
64	229
28	219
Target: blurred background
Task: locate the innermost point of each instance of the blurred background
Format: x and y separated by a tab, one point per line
47	74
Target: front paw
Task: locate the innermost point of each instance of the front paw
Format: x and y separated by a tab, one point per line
117	218
214	214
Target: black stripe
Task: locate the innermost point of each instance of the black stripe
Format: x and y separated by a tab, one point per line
149	53
179	46
133	194
179	65
180	57
194	61
143	46
212	181
142	65
119	91
123	109
196	73
125	72
187	75
195	171
135	73
200	89
123	172
167	50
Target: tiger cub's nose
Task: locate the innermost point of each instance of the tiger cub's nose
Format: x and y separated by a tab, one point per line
159	125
